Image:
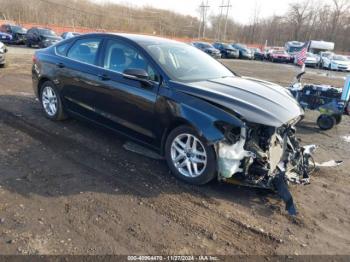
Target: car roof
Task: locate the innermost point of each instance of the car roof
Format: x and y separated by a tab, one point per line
138	38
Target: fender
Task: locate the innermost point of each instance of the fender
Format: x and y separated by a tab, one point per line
196	112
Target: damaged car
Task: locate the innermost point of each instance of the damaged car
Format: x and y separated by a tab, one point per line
208	122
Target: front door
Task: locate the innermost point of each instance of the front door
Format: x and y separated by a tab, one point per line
125	103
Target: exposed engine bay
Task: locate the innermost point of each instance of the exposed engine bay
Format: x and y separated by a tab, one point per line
266	157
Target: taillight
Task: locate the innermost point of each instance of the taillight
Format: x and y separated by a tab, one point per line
34	59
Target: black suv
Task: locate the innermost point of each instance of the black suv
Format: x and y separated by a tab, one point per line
41	37
18	33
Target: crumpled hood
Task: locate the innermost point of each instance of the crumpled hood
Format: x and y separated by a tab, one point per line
255	100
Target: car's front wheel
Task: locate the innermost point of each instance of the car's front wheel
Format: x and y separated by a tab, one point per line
51	102
189	157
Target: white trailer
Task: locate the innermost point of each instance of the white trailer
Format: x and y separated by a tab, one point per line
320	46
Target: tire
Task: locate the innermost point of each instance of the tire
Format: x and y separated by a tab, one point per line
338	119
55	115
326	122
207	170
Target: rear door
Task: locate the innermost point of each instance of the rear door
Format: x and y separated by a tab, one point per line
78	74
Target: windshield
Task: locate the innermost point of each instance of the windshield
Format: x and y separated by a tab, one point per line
47	32
241	46
294	49
326	55
18	29
205	45
340	58
226	46
184	63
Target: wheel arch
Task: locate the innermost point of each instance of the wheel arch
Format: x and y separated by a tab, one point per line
41	81
203	117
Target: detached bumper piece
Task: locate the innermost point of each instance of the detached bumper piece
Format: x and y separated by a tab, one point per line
280	184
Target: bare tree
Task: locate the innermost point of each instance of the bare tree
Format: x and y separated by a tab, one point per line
298	14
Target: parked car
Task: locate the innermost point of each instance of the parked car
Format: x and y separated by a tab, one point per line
336	62
244	51
258	54
226	50
67	35
5	37
207	48
17	32
280	56
324	55
311	60
41	37
3	51
208	122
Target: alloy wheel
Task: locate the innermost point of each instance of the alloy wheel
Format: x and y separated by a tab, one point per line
188	155
49	100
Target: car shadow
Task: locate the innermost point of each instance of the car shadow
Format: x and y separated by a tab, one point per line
308	127
67	158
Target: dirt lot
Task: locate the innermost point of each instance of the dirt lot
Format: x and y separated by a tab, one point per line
71	188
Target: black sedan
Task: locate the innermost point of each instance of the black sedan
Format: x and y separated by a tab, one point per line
226	50
208	48
41	37
171	97
258	54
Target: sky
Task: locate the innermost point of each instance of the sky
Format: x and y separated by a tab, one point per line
241	10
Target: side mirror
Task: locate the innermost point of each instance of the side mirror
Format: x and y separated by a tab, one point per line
137	73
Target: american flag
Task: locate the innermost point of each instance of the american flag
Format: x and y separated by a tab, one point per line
301	56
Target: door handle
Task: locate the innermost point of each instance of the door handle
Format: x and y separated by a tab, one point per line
60	65
104	77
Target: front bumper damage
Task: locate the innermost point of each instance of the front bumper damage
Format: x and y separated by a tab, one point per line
265	157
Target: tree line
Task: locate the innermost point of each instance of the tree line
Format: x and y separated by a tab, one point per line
307	20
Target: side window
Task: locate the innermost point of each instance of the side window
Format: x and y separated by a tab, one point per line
119	56
84	50
61	49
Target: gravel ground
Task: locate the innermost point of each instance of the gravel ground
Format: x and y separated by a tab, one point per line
71	188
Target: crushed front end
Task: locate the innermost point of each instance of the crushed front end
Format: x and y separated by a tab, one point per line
266	157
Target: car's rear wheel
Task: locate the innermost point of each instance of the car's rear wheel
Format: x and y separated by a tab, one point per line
189	157
51	102
326	122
